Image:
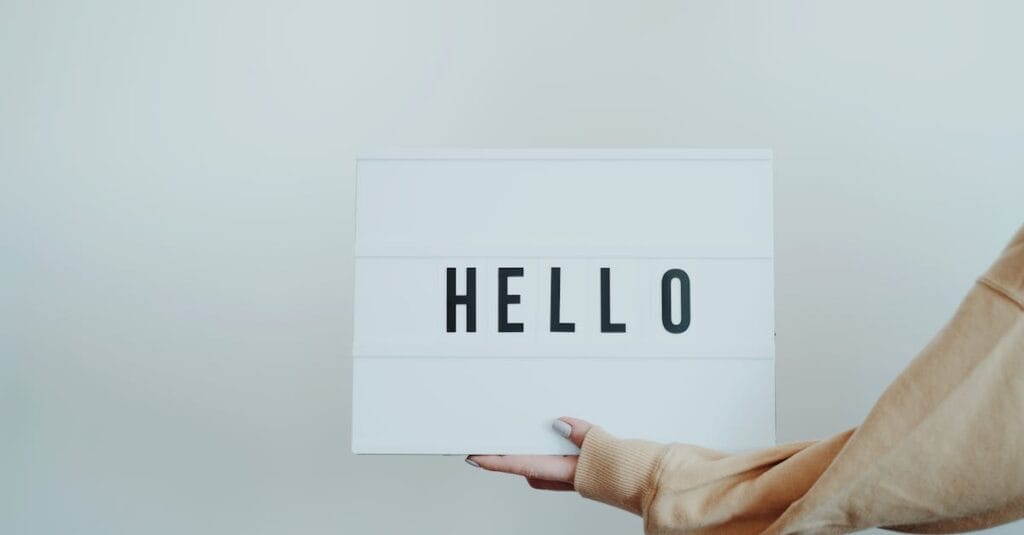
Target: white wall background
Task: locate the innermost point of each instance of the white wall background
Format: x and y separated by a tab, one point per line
176	194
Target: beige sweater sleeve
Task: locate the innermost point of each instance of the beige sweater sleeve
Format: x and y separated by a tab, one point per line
941	451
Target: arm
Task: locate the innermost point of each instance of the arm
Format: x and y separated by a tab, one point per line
941	451
683	488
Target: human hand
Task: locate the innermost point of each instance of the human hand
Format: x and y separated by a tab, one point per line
545	472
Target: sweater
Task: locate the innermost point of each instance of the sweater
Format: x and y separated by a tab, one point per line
941	451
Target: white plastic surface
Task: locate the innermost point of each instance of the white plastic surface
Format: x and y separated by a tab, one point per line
421	389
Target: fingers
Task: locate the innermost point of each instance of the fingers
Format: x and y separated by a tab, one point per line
543	484
549	467
548	472
578	429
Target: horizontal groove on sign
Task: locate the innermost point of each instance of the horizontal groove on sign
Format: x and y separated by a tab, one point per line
567	256
561	159
627	155
557	357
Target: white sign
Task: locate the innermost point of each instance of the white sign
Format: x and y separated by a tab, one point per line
498	290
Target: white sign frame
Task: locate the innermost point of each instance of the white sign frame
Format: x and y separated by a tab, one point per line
419	389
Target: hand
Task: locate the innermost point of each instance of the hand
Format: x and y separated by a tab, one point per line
545	472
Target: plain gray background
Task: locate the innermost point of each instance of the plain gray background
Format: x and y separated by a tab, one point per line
176	196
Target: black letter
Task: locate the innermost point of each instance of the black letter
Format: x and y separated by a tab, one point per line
666	301
556	303
469	299
606	323
504	300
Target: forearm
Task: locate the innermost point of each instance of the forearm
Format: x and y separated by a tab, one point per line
941	451
685	489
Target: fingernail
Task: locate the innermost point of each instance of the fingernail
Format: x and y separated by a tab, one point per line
562	428
472	463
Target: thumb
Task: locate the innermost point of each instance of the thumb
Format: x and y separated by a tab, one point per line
573	429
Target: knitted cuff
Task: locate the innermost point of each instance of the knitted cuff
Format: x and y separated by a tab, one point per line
615	471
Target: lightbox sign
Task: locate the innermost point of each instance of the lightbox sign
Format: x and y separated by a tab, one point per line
496	290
